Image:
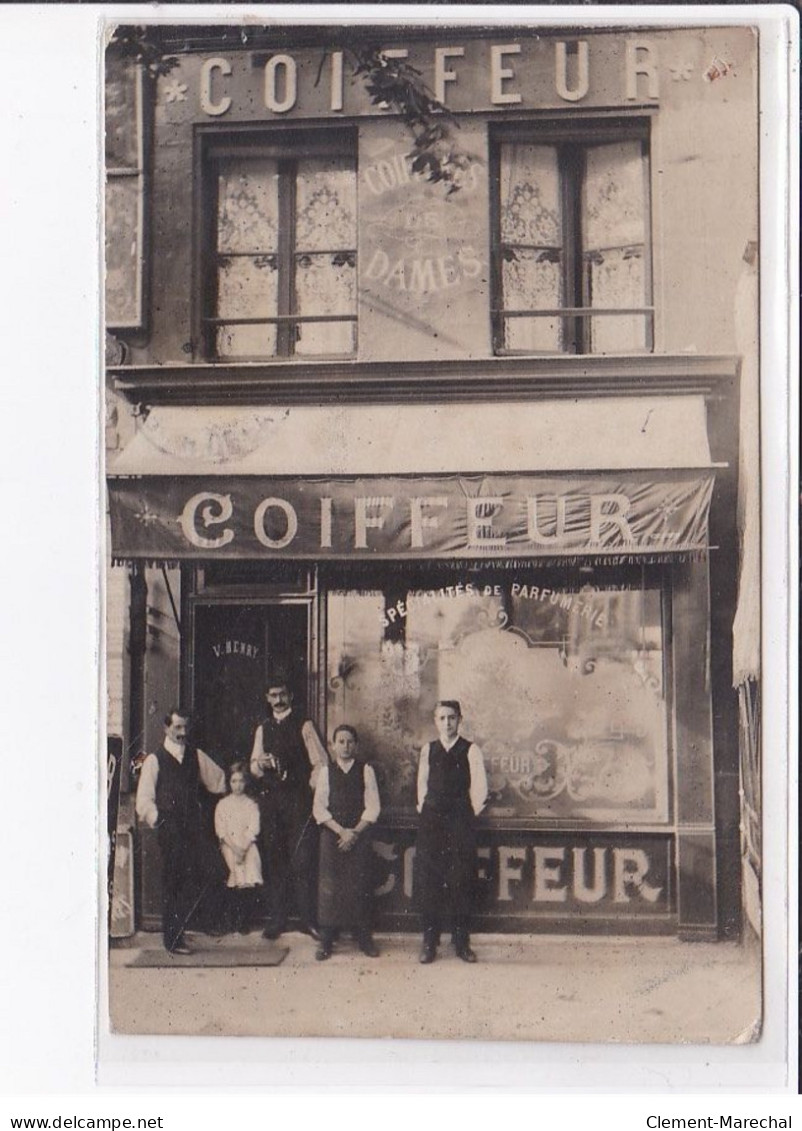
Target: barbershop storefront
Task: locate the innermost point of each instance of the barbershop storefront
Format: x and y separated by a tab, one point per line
560	590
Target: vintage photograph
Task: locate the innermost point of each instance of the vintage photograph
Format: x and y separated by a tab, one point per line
432	475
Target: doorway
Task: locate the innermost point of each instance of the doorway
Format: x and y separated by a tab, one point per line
238	647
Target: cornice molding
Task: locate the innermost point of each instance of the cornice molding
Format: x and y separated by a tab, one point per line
426	382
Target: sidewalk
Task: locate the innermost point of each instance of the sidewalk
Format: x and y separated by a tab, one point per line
533	988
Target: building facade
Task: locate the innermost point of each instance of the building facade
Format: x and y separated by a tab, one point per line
476	435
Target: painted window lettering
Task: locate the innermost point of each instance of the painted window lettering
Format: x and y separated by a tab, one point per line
536	874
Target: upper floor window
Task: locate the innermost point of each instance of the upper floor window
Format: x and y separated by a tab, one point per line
572	257
280	253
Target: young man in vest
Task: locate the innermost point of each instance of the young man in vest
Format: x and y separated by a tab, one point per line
168	798
346	806
452	791
285	761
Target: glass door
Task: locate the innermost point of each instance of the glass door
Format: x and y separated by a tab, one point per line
237	647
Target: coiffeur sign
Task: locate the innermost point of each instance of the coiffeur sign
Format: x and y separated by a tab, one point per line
411	516
528	875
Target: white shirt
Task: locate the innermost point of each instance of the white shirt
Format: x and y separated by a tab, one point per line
476	762
315	750
211	776
320	806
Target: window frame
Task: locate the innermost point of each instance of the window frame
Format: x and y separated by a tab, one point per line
287	147
572	141
385	577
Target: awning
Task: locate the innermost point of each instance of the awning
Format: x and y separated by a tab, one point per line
612	433
628	476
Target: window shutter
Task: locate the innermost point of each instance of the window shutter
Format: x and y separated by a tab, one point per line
125	204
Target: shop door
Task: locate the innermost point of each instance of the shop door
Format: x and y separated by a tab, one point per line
237	648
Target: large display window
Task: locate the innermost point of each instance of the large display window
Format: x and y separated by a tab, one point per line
562	675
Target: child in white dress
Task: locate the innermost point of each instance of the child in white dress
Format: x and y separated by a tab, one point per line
236	823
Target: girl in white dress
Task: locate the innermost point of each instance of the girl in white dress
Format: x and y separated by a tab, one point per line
236	823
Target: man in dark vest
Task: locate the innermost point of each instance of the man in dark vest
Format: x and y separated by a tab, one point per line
168	799
285	761
452	791
346	807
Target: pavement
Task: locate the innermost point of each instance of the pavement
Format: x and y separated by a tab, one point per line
523	988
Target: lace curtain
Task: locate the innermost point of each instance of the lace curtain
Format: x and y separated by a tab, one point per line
611	244
319	270
532	245
614	254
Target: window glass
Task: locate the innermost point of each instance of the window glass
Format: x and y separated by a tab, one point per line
614	196
563	689
572	235
285	246
530	196
247	207
614	246
531	234
532	279
325	284
326	204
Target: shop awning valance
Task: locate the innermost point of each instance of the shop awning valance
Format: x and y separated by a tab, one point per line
540	479
453	516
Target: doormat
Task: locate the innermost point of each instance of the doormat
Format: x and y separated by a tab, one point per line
224	956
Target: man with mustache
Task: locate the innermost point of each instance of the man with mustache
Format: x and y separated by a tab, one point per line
285	761
168	799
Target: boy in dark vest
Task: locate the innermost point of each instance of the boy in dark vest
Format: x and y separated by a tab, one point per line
168	798
286	758
452	791
346	806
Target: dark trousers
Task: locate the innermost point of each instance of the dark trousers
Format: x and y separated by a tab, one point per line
240	904
180	879
445	869
288	842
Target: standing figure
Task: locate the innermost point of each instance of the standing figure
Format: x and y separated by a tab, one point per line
286	758
452	791
236	822
168	798
346	806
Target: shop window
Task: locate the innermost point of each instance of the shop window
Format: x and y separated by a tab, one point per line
280	256
125	196
572	240
562	684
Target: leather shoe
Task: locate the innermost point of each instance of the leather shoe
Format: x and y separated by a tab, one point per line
322	953
466	954
308	929
428	954
180	948
368	947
